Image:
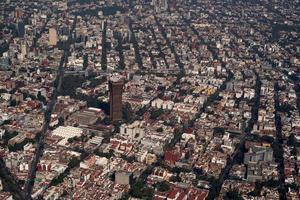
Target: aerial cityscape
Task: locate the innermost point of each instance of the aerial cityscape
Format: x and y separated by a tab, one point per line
150	99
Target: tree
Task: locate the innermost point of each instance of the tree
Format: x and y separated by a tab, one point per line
175	179
61	121
278	152
136	189
139	191
141	111
147	193
19	146
104	66
160	129
7	136
147	88
294	151
3	91
219	130
128	159
257	189
93	134
73	162
287	108
233	195
292	141
13	103
41	98
71	140
162	186
125	196
106	121
85	61
83	138
76	138
32	96
156	113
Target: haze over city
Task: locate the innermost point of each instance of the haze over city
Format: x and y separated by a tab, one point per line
150	99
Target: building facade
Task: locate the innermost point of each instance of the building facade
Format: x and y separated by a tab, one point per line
52	36
115	99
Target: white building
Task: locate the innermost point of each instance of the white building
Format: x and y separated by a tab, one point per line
67	132
2	131
101	161
165	105
134	131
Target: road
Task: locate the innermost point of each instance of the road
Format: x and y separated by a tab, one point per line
29	184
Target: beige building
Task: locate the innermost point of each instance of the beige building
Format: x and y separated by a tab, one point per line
52	36
122	178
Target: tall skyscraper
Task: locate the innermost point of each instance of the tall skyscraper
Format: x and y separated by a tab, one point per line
116	84
52	37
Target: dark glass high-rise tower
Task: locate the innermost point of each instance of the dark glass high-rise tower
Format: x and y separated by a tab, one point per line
116	85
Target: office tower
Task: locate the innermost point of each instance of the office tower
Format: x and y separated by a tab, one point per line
52	37
116	84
